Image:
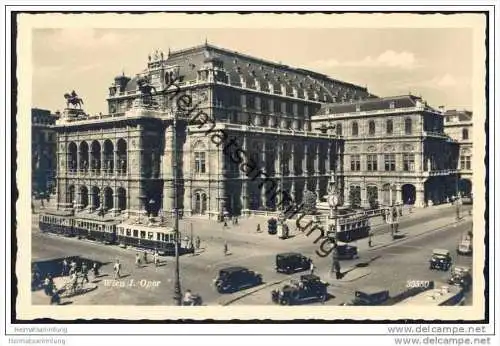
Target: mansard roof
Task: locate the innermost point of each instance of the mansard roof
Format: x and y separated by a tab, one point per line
373	104
254	70
463	115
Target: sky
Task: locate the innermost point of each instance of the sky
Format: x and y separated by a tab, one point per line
435	63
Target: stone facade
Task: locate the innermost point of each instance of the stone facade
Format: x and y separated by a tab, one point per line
125	160
395	151
43	146
458	125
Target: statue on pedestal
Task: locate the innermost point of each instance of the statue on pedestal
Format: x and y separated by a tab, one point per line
73	99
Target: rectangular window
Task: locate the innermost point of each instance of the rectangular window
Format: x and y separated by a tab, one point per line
136	233
143	234
465	162
408	162
390	162
371	163
150	235
199	162
355	163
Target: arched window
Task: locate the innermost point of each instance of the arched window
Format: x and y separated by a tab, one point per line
465	134
339	129
354	128
408	124
389	127
371	128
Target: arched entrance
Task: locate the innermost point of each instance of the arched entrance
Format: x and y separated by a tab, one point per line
122	156
72	156
96	197
386	197
84	196
71	195
84	156
465	187
355	196
122	198
108	198
200	203
108	156
408	193
95	154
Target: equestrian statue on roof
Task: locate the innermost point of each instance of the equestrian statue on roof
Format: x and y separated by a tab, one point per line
73	99
145	86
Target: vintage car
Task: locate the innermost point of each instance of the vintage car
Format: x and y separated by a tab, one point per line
440	260
307	288
233	279
369	296
465	246
461	276
291	262
346	251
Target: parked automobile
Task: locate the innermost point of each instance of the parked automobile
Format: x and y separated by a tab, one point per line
370	295
272	226
440	260
291	262
233	279
308	288
346	251
461	276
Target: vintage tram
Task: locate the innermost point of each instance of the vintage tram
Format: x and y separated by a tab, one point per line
350	227
151	237
57	224
103	231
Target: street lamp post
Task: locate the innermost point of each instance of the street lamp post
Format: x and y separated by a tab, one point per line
177	281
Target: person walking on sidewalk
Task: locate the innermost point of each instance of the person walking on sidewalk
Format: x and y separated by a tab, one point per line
311	268
116	269
235	220
145	257
198	243
156	258
258	228
137	260
370	244
85	273
226	249
65	266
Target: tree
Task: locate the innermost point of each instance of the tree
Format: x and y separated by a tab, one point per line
355	196
372	196
309	202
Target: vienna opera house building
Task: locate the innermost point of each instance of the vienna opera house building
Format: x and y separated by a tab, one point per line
194	117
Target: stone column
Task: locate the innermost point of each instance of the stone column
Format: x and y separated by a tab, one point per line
116	162
102	157
262	167
244	183
316	169
399	195
304	160
115	209
364	196
291	160
420	195
78	199
328	158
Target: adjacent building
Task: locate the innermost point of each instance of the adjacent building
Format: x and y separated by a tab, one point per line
458	125
395	151
43	147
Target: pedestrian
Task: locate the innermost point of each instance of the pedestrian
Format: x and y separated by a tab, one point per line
258	228
370	240
311	268
235	220
65	265
225	248
225	222
186	241
156	258
116	269
137	260
336	266
198	242
145	257
55	298
95	270
72	269
85	273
